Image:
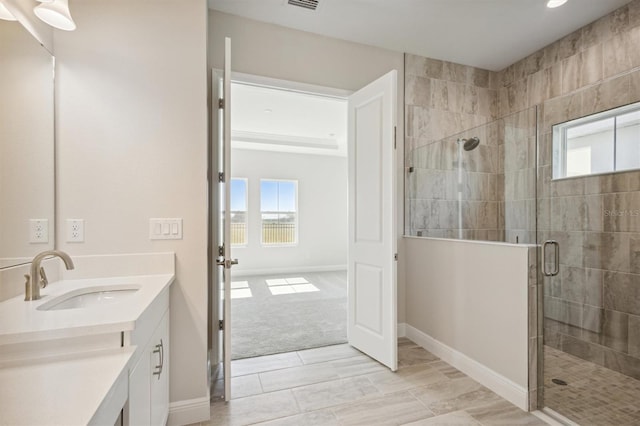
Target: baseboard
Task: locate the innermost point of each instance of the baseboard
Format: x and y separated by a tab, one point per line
501	385
289	270
402	329
189	411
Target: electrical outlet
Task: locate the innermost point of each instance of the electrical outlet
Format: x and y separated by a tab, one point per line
38	231
75	230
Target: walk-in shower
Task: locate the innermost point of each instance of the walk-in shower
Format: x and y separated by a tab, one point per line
476	185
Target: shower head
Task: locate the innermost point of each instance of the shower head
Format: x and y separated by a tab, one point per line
470	144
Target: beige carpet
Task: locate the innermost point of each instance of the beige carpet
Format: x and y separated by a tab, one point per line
287	312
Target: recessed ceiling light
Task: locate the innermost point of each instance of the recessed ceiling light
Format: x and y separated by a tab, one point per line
331	135
555	3
268	111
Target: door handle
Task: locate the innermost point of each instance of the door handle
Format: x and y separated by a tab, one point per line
226	263
556	261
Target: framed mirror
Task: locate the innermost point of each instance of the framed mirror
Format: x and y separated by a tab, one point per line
27	160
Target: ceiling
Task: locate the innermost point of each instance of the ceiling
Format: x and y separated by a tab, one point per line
272	119
489	34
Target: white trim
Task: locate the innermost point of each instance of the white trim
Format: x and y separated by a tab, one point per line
189	411
402	329
294	270
294	86
501	385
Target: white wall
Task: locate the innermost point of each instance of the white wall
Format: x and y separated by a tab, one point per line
322	211
26	142
132	144
272	51
471	297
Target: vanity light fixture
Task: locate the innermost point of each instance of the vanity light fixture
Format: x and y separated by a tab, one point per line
5	14
555	3
55	13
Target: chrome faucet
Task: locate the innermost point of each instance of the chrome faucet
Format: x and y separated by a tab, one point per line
38	278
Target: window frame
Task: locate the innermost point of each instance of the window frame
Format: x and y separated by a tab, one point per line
246	217
559	141
297	215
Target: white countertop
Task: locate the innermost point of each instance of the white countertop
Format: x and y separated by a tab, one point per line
67	391
20	321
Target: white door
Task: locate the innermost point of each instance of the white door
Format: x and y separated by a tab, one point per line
372	216
221	223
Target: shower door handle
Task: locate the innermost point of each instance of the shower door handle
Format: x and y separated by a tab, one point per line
556	261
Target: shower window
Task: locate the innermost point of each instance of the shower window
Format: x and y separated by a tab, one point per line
600	143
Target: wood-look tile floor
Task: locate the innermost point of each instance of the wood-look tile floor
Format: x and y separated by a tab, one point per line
338	385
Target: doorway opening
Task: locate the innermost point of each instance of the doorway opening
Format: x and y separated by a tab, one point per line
289	221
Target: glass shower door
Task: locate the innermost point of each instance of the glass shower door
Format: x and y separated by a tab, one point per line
589	316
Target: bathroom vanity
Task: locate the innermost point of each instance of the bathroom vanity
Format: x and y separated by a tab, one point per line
91	349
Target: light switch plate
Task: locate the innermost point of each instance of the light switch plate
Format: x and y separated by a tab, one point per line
165	228
75	230
38	231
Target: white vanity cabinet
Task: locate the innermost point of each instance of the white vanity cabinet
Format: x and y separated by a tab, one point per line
149	378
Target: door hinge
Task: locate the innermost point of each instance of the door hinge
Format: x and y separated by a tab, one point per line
221	250
395	256
220	177
220	324
395	129
220	103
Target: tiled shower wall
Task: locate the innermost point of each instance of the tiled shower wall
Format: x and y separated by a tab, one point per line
592	307
441	99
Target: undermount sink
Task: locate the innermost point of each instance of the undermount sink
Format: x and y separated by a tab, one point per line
91	297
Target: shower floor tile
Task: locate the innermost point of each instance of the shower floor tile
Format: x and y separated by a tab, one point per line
594	395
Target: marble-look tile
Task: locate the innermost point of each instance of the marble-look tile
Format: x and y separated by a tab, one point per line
329	394
609	251
591	65
617	55
635	86
414	355
582	349
605	27
607	95
571	68
254	409
582	285
406	378
480	77
622	292
246	366
561	109
313	418
622	212
242	386
327	353
454	395
393	409
503	413
417	91
456	418
615	329
297	376
634	335
634	253
623	363
447	369
356	365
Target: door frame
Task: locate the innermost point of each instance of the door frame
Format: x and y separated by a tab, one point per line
245	78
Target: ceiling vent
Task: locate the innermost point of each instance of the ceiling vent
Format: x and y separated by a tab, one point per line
307	4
